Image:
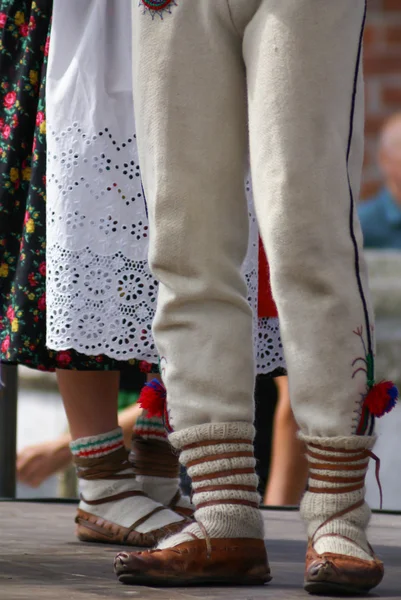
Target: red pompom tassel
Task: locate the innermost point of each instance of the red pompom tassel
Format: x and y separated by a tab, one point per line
153	398
381	398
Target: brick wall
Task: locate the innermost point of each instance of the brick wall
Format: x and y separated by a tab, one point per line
383	79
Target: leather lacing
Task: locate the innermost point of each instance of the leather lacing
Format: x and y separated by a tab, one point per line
207	538
153	457
108	467
333	462
227	473
219	487
105	467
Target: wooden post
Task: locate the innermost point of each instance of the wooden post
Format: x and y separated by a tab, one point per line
8	430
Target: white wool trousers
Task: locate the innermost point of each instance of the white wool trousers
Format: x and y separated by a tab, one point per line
280	81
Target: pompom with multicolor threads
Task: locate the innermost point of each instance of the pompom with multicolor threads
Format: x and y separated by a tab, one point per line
156	4
381	398
153	398
157	7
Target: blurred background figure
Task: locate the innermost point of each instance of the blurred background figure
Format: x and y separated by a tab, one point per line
380	215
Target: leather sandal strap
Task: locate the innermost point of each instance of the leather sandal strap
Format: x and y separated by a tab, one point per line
96	528
214	458
115	497
225	486
94	475
216	443
113	459
337	515
228	473
337	467
345	537
336	490
336	463
330	458
146	517
358	483
377	475
227	501
331	479
350	451
207	539
105	467
175	500
334	466
153	457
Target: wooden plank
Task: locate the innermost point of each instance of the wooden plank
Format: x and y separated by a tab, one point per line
40	559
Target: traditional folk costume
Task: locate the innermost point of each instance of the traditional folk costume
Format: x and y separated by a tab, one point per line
209	77
101	295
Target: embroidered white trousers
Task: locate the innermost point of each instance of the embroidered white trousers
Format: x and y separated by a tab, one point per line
214	79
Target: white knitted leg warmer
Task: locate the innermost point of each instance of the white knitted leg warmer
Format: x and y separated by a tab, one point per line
334	506
219	458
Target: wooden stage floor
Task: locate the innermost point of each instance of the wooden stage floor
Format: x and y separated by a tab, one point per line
40	559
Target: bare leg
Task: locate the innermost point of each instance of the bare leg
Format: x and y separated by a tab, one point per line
289	467
90	401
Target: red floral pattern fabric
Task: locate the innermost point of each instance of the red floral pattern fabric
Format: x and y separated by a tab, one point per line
24	47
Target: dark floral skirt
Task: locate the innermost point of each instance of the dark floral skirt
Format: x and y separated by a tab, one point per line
24	47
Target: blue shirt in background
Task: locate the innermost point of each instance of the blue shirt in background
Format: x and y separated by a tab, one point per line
381	221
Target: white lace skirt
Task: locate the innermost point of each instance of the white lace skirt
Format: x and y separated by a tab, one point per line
101	295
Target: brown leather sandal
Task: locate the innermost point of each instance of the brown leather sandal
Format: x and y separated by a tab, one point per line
338	574
197	562
92	528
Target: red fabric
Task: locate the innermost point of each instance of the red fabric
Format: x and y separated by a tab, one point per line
266	304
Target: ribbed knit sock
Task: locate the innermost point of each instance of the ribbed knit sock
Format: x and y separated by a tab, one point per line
156	464
337	469
219	458
105	458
